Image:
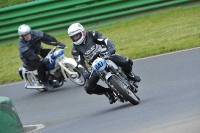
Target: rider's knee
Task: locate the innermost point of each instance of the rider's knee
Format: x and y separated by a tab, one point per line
88	89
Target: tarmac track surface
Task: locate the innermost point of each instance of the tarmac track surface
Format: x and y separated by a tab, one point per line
169	93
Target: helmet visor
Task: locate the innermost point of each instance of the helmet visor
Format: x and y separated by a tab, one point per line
76	37
27	37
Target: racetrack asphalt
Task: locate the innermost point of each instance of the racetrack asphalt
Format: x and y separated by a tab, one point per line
169	93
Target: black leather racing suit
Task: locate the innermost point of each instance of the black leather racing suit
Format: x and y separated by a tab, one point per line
82	52
31	52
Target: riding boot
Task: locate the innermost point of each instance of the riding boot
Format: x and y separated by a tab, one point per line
134	77
48	85
107	92
129	73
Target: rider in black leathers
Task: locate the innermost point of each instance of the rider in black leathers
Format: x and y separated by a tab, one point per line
31	52
85	44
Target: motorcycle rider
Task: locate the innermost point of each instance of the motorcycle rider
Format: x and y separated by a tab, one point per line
84	44
32	54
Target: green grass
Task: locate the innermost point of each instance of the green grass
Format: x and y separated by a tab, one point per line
6	3
146	35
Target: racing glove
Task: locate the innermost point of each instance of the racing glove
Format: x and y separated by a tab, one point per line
108	52
61	45
45	61
86	74
111	51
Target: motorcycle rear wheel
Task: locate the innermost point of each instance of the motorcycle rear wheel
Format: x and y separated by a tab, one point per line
33	82
125	92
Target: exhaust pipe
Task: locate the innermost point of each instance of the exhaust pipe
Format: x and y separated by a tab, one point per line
33	87
55	83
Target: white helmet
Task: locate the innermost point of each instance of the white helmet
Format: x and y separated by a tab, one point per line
24	30
75	29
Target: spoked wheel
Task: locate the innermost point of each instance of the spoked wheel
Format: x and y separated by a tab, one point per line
79	80
125	92
33	82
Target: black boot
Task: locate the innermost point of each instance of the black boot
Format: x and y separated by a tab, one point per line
128	71
134	77
109	94
99	90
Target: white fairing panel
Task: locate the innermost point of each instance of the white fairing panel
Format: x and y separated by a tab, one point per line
71	62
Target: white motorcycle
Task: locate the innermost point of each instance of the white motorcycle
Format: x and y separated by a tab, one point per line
59	70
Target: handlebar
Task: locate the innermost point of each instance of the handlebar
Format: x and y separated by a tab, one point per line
53	50
49	55
100	54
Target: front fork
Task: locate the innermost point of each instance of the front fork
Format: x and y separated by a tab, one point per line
128	84
132	84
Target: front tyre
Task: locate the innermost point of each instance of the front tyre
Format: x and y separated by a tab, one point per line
79	80
116	83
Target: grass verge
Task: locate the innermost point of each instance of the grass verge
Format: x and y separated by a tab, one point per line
156	33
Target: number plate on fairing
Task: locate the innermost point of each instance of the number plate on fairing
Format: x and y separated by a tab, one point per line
99	64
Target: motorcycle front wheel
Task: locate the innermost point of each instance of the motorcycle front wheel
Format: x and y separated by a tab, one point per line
120	86
79	80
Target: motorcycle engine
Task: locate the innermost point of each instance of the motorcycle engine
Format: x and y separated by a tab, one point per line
58	73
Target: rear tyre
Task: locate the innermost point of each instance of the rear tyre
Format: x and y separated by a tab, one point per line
125	92
33	82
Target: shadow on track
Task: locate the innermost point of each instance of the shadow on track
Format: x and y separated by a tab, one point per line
103	112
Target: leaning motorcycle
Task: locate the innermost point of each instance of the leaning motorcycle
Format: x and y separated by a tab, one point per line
124	89
59	71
